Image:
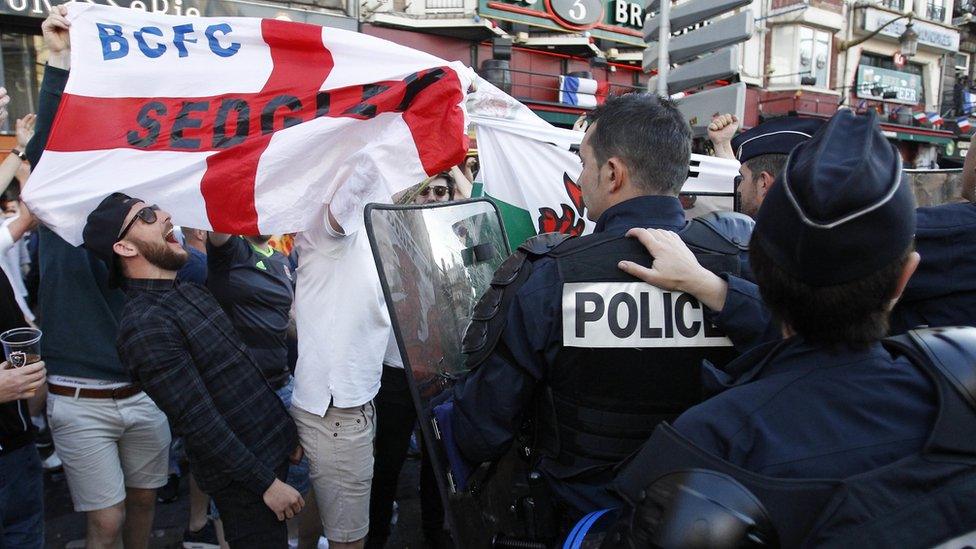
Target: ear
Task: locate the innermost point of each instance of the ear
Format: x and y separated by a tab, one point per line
124	248
619	176
906	273
764	183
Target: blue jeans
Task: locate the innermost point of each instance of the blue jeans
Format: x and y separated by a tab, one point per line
21	499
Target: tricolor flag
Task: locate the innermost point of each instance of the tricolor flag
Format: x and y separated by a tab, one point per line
963	124
935	119
241	125
530	172
578	92
920	117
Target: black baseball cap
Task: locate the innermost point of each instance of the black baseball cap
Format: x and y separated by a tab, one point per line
777	136
102	231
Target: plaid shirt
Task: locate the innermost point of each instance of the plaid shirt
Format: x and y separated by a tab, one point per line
180	346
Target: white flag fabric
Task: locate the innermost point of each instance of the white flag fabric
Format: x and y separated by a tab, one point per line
242	125
527	168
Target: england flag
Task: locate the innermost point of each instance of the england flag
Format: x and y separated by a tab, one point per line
241	125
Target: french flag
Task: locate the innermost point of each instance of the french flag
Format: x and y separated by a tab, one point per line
920	117
935	119
963	124
241	125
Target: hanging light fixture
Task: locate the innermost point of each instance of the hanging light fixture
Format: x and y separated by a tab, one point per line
908	41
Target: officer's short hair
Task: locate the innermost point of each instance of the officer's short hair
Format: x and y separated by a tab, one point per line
854	313
773	164
651	137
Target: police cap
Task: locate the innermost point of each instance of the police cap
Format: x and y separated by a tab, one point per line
841	209
776	136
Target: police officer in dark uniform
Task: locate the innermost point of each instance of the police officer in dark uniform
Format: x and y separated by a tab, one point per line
941	293
594	357
762	151
832	249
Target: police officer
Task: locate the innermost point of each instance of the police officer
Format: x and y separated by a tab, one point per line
941	293
832	250
762	152
594	356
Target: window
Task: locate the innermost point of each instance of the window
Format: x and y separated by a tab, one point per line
961	62
935	10
894	4
22	54
815	48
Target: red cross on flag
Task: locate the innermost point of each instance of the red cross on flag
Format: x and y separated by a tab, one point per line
241	125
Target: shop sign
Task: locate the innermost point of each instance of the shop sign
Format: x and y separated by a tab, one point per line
616	20
872	82
929	34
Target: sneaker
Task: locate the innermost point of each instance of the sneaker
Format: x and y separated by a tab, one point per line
170	492
204	538
52	462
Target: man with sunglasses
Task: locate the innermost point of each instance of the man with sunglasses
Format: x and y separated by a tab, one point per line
180	346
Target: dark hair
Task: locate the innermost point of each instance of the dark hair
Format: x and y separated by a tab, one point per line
446	176
853	313
773	164
649	134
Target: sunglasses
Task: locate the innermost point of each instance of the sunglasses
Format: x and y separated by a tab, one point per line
147	215
439	191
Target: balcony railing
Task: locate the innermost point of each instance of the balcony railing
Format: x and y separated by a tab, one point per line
898	5
935	12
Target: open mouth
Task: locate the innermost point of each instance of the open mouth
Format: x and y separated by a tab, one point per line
170	237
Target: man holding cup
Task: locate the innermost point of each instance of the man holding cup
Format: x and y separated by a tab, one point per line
21	476
180	346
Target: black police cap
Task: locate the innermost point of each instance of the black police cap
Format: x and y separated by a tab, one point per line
841	209
776	136
102	231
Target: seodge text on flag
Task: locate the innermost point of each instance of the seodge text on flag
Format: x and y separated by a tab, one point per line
241	125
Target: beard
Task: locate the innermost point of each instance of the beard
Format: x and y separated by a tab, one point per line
162	256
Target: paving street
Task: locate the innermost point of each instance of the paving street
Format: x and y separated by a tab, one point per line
65	529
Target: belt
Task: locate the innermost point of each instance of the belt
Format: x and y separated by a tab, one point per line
81	392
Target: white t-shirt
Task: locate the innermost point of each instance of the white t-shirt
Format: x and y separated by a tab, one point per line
344	332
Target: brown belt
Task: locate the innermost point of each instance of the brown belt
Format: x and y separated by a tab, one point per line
80	392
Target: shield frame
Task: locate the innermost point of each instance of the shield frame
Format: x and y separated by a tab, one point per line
464	532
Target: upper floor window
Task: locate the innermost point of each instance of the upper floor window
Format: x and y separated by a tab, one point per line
815	56
935	10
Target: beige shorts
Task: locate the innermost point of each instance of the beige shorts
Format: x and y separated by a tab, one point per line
339	447
108	445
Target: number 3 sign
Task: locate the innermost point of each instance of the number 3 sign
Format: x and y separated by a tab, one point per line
576	14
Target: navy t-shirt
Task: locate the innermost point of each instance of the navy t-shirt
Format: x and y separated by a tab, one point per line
255	288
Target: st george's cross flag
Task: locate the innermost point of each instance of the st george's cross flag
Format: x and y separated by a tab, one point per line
241	125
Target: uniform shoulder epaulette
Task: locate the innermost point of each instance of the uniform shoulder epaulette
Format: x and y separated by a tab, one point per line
719	232
486	324
542	244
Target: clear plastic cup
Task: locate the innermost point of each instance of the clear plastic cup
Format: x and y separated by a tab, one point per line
21	346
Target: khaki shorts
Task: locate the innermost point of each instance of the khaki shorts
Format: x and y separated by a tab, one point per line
339	447
108	445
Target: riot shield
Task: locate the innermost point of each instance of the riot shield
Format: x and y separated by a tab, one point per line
434	262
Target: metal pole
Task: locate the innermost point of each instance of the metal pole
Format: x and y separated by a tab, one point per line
663	41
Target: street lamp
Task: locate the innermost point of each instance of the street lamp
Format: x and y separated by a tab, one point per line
907	42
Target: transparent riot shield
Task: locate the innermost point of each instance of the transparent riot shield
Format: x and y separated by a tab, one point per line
435	261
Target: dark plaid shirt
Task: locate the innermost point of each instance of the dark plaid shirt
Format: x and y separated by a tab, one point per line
179	345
